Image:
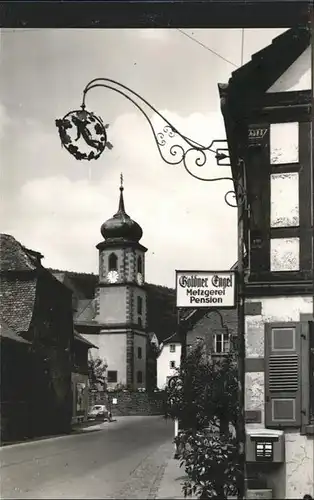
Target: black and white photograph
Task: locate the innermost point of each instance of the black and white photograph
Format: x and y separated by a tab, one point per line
156	261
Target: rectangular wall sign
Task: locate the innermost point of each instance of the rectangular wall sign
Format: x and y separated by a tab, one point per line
206	289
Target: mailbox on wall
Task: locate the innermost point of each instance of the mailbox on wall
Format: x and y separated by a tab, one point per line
265	445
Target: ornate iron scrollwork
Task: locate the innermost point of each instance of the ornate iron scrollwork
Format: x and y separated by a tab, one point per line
86	127
174	148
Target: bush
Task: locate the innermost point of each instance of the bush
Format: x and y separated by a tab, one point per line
210	463
203	397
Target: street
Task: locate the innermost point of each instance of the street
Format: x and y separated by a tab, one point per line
122	459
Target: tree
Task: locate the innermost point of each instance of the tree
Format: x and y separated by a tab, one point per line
203	397
151	366
97	373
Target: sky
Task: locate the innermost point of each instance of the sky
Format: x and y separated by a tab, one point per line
55	204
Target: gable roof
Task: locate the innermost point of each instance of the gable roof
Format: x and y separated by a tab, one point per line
228	317
6	333
268	64
250	82
18	283
83	340
83	284
14	256
17	302
85	311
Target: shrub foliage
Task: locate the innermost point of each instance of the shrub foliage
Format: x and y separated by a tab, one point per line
203	397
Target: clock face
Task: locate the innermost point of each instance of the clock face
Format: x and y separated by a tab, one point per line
139	279
113	276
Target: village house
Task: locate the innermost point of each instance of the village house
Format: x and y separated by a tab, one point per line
80	377
15	356
216	328
39	352
266	107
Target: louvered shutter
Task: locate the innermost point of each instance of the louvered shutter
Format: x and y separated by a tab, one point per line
311	370
282	375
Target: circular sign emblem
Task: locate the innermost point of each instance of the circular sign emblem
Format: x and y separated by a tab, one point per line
83	134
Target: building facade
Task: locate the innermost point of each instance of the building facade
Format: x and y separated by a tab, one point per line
217	329
79	378
267	112
36	385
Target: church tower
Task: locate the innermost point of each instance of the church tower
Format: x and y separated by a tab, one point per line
121	299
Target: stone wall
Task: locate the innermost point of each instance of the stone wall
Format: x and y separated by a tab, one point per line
132	403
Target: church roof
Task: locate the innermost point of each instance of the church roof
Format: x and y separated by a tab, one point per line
85	310
121	228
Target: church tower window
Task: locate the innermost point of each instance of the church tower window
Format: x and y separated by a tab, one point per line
113	262
140	265
139	305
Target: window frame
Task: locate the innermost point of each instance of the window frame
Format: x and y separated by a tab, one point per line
111	266
139	375
139	264
224	342
139	352
112	381
260	257
170	348
139	305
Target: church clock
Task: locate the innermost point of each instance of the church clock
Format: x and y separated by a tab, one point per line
113	276
139	279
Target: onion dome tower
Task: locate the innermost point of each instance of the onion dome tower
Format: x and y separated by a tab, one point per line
121	298
121	228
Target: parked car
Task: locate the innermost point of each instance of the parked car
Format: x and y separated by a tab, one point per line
99	412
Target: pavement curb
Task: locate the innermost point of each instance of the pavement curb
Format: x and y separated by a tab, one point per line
77	429
156	484
74	432
171	482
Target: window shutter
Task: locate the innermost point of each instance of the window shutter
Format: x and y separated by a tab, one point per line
305	375
311	370
283	375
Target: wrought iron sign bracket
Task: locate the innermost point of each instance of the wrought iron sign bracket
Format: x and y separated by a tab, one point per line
84	136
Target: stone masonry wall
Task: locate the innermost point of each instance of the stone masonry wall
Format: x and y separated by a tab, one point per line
132	403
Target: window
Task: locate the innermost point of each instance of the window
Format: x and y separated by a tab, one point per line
172	364
139	377
139	353
113	262
282	151
140	265
139	321
112	376
284	254
221	343
172	348
286	373
139	305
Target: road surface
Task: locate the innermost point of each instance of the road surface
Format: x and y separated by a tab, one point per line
122	460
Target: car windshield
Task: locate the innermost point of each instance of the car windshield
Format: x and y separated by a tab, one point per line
96	408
